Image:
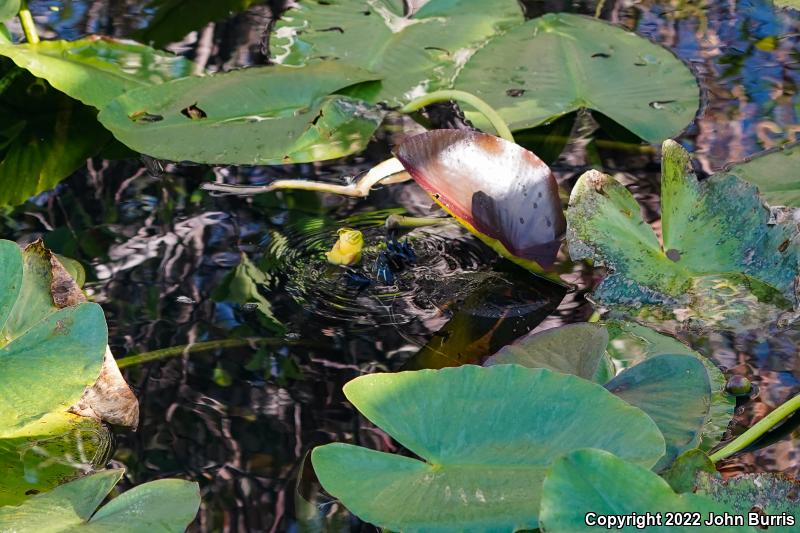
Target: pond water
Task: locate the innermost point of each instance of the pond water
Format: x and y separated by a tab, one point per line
173	265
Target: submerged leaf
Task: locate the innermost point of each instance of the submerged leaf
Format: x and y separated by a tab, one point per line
556	64
722	261
167	505
412	54
484	457
597	482
774	173
262	115
95	70
499	191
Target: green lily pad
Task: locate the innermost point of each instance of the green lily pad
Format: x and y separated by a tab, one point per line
500	192
48	356
8	9
5	35
95	70
412	54
722	262
559	63
774	173
633	343
265	115
483	457
675	391
53	450
795	4
771	494
173	19
578	349
597	482
167	505
44	135
682	473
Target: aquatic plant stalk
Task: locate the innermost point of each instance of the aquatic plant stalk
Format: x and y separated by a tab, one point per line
174	351
488	111
752	434
387	172
28	26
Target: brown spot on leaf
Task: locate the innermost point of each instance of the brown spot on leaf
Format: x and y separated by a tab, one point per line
64	289
514	93
144	116
490	143
193	112
784	245
673	255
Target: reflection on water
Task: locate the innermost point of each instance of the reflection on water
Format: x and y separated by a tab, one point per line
172	265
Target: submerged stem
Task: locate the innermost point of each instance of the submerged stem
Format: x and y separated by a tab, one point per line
488	111
752	434
28	26
174	351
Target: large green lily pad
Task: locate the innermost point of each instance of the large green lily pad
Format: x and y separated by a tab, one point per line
167	505
558	63
595	481
578	349
772	494
483	456
48	356
721	262
263	115
8	9
774	173
412	54
95	70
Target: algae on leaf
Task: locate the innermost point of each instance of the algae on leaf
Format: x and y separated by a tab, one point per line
483	457
167	505
412	54
261	115
722	261
558	63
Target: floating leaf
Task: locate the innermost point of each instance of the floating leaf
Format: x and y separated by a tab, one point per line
761	494
597	482
484	457
558	63
722	262
675	391
167	505
54	449
95	70
175	18
682	473
774	173
499	191
412	54
578	349
48	356
795	4
44	136
265	115
8	9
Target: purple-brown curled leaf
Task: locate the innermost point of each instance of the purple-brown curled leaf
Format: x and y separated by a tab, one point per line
499	191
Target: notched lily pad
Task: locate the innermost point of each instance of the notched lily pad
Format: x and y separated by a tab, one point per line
723	261
483	457
262	115
774	173
499	191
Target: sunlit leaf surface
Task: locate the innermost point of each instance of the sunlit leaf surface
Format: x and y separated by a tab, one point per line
499	191
95	70
266	115
167	505
595	481
483	457
775	175
722	261
412	54
555	64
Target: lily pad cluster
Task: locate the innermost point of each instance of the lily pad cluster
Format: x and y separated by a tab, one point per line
327	93
59	385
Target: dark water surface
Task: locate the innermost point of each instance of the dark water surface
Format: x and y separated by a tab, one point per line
172	265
